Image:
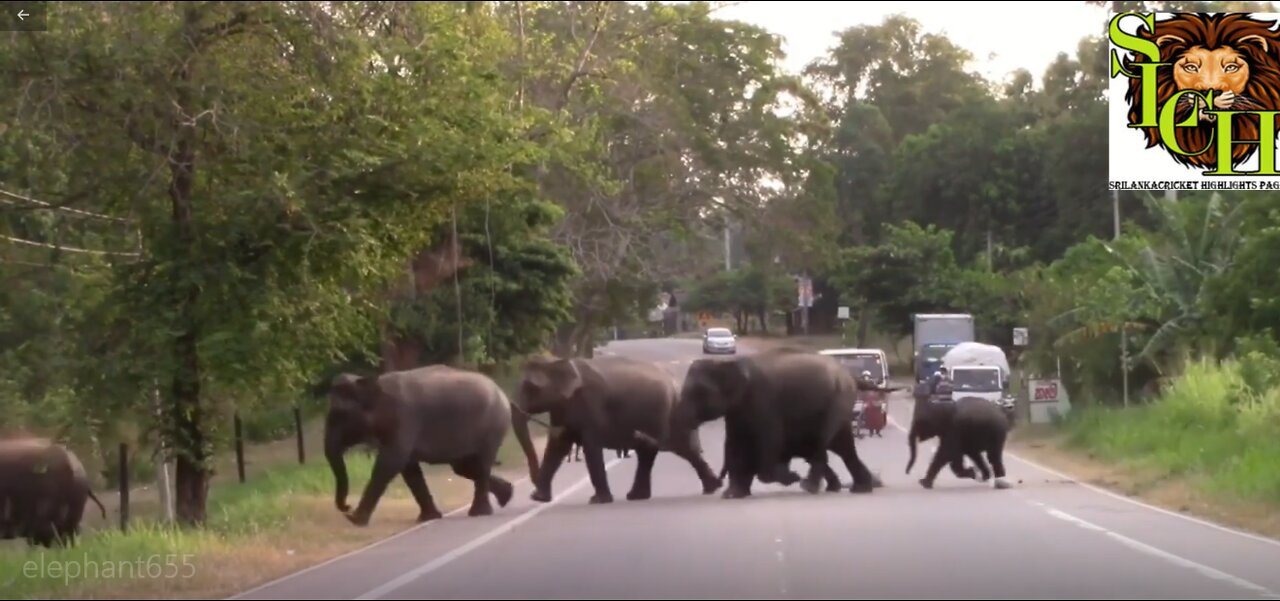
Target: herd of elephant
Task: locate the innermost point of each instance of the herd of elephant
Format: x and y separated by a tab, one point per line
777	405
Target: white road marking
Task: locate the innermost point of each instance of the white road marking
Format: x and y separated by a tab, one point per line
1119	497
450	557
1177	560
376	543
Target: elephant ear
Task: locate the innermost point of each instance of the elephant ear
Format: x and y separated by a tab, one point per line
565	378
559	379
734	379
354	392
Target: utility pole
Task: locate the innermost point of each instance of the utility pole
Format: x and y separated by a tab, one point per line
1124	332
989	263
728	249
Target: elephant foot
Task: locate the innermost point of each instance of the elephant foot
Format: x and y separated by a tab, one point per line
711	486
427	516
927	483
359	520
1002	484
541	496
862	488
480	509
732	493
788	478
810	486
967	473
599	499
503	491
833	487
639	494
876	482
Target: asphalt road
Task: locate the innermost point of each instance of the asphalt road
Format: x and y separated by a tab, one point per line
1047	538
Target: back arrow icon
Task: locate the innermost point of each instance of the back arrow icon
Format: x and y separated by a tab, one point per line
22	15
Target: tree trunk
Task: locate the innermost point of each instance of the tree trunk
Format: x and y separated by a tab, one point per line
186	413
426	272
764	322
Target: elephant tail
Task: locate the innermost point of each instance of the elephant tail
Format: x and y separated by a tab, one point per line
99	504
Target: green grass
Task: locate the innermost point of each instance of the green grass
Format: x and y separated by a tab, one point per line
281	506
1217	427
260	506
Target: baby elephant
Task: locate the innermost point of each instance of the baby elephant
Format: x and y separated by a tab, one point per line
43	492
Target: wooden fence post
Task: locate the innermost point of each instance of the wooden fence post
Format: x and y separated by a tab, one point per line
124	486
297	427
239	447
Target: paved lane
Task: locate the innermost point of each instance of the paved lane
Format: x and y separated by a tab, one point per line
1048	538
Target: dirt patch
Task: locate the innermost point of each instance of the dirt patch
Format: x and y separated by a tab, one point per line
1184	495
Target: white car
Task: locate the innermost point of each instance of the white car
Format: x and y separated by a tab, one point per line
719	340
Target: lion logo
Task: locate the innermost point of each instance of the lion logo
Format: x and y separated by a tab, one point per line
1232	55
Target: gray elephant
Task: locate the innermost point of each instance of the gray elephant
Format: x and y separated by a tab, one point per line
607	403
43	492
776	405
436	415
965	427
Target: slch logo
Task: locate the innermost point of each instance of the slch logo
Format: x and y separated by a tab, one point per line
1205	88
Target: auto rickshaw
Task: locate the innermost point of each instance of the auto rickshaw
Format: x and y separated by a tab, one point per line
870	368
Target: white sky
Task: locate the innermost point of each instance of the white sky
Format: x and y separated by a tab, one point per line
1001	40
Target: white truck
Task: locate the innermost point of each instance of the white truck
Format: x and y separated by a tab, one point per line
978	370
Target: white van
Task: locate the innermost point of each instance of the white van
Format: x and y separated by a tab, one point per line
978	370
858	360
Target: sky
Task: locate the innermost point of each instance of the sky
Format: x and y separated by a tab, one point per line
1001	40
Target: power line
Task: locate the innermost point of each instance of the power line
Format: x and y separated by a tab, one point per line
67	248
46	205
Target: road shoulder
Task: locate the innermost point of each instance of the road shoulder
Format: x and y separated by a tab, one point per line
1045	446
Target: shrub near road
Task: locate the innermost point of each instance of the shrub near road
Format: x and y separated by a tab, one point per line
280	521
1215	432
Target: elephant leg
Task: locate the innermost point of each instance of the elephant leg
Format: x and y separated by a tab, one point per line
961	470
556	451
843	445
996	454
975	455
595	468
710	482
738	465
946	451
417	483
641	488
476	470
389	463
818	468
833	481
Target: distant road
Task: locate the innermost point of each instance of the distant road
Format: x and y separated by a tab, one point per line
1048	538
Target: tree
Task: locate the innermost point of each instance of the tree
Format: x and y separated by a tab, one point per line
283	161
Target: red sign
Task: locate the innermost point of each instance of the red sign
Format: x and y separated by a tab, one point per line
1045	391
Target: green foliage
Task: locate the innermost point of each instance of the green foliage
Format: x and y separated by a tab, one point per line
1211	408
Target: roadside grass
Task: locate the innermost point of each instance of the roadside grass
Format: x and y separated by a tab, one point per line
281	520
1209	444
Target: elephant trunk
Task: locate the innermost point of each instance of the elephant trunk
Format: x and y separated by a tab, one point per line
911	443
520	424
333	451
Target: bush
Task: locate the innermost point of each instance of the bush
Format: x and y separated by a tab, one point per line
1218	424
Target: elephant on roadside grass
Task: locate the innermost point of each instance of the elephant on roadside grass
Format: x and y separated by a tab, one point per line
435	415
966	427
608	403
43	492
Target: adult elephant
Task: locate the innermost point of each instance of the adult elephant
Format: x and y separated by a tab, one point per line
966	427
43	491
437	415
607	403
776	404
